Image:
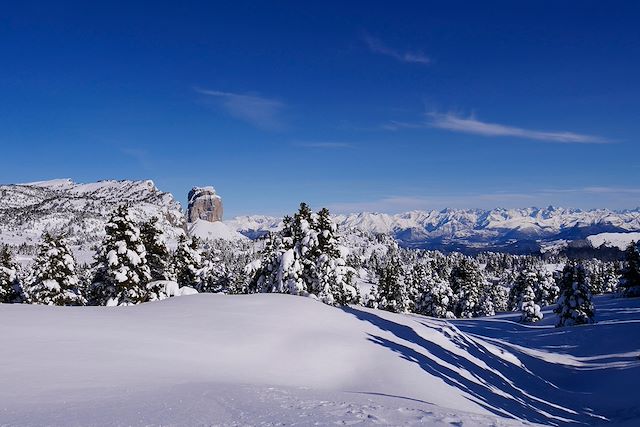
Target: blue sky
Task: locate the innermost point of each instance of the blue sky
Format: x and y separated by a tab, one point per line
383	106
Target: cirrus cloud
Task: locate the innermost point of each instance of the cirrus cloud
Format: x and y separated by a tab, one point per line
377	46
261	112
471	125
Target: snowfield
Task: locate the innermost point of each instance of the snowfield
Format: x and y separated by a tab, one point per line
267	358
615	240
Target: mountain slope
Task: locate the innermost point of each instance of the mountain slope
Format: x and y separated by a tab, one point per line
80	211
208	359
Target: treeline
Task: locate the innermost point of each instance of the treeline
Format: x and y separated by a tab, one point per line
309	257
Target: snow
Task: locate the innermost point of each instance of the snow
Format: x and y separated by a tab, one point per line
269	358
614	240
213	230
171	288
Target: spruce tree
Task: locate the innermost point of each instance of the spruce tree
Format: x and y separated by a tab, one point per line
187	262
304	258
53	280
157	252
392	289
545	289
10	288
499	296
487	307
528	307
266	274
122	273
630	278
528	278
467	283
436	299
574	304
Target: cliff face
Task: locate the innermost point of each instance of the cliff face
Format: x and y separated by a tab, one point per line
204	204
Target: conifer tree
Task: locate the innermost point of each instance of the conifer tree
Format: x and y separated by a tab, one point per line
304	259
487	307
527	278
467	284
499	296
122	273
53	280
266	274
187	262
545	289
10	288
392	289
574	304
528	307
436	299
327	234
630	279
157	252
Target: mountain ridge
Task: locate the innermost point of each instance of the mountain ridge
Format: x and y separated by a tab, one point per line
80	212
497	228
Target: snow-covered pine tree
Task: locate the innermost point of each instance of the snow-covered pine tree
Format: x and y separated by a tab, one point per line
530	311
304	258
436	299
187	262
157	252
333	281
467	283
630	278
527	278
610	278
499	296
290	275
574	304
53	279
10	288
122	273
213	275
419	279
392	290
266	272
487	307
545	289
327	234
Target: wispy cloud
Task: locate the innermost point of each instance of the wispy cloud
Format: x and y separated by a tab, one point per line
323	145
471	125
377	46
264	113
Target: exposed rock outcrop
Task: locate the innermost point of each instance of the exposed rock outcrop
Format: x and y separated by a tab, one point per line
204	204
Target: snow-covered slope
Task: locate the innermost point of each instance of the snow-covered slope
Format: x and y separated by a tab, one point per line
260	359
474	228
614	240
206	230
80	210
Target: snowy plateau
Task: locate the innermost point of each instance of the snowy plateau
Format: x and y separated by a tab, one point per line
271	359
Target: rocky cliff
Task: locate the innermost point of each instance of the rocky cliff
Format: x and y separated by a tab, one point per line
204	204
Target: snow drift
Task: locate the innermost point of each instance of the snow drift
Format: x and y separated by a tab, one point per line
206	358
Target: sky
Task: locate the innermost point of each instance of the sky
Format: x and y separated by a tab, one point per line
357	106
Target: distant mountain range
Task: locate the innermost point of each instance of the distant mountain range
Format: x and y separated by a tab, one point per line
513	230
81	211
